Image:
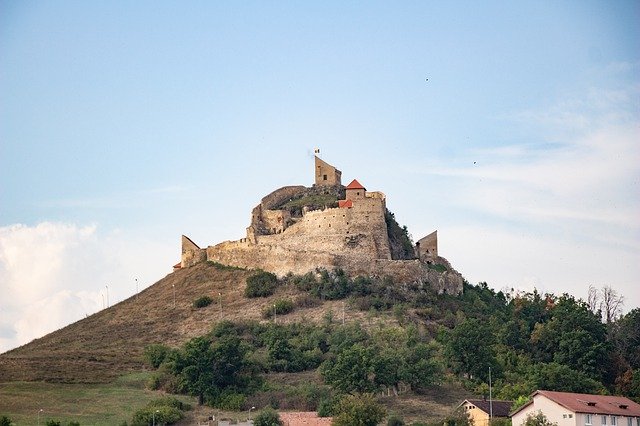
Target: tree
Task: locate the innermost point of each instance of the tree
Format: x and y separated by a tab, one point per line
194	365
538	419
5	421
267	417
349	372
559	377
574	336
626	336
358	410
469	349
611	304
421	367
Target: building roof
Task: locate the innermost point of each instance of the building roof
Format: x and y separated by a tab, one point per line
355	185
343	204
304	418
500	408
589	404
177	265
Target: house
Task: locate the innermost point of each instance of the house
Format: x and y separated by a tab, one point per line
579	409
480	410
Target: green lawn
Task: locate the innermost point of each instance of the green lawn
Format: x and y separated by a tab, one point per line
100	404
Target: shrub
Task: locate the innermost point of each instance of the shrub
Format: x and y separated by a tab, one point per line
281	306
394	420
203	301
438	267
221	267
162	415
53	423
5	421
267	417
169	401
261	284
166	410
231	401
307	301
358	410
156	354
325	407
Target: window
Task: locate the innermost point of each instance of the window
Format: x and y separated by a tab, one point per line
324	177
614	420
587	419
604	420
570	416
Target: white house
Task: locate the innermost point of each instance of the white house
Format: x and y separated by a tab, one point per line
579	409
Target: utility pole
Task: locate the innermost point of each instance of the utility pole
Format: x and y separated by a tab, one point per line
275	317
490	399
136	288
174	295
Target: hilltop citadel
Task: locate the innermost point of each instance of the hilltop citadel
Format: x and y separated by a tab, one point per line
297	229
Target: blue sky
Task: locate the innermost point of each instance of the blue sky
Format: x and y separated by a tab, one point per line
511	127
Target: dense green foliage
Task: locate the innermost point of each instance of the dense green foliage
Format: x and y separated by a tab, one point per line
156	354
526	341
202	301
400	241
5	421
279	307
267	417
261	284
167	410
358	410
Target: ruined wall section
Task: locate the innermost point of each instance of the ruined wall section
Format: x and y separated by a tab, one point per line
191	253
265	221
326	174
427	246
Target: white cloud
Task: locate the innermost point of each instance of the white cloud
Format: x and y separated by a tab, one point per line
560	213
52	274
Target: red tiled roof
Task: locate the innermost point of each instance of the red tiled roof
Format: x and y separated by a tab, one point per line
590	404
355	185
304	418
500	408
344	204
177	265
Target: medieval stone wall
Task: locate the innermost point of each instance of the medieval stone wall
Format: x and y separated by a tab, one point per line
357	231
273	258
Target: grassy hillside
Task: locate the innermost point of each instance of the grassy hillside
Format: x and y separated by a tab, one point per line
110	343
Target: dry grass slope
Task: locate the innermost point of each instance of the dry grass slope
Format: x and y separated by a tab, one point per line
110	343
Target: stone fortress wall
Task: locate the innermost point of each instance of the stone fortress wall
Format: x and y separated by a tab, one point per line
352	236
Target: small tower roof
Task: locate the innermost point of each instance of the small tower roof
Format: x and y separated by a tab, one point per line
355	185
